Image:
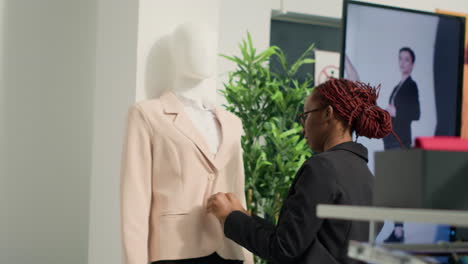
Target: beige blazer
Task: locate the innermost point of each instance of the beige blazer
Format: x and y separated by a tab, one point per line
167	175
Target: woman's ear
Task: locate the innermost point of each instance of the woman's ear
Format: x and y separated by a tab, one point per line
329	111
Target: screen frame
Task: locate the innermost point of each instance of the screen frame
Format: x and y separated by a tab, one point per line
461	45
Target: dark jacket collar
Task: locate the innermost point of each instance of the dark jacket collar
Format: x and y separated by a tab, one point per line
409	79
353	147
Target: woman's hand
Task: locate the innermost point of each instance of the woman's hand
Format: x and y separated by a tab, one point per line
222	204
391	109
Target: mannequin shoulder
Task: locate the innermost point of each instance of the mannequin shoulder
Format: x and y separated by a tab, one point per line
232	117
147	107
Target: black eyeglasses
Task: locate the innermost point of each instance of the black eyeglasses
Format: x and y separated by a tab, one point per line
303	116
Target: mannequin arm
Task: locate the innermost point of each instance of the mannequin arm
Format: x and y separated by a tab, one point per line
136	187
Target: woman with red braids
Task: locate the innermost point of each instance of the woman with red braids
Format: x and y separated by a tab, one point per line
336	174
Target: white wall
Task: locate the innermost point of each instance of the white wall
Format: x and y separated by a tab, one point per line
2	85
236	18
115	90
3	241
48	51
333	8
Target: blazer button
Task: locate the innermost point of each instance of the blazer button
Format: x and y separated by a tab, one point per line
211	176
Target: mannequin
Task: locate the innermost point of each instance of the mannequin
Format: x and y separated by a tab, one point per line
179	150
193	49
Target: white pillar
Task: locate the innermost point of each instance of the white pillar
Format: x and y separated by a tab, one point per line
115	90
48	54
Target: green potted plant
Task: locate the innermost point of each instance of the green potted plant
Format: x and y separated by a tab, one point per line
268	103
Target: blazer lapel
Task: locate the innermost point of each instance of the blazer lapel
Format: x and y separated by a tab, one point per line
227	138
182	122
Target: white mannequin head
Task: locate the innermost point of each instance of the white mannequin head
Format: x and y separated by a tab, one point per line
194	47
194	50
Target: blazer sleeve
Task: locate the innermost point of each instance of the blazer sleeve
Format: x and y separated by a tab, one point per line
136	180
408	107
298	225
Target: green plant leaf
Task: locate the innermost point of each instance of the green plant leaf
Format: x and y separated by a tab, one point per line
267	103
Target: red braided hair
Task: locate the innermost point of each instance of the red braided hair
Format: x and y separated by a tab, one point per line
356	104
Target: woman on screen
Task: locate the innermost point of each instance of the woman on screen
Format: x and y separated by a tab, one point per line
403	104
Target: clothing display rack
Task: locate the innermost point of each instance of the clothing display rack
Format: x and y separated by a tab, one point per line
398	253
